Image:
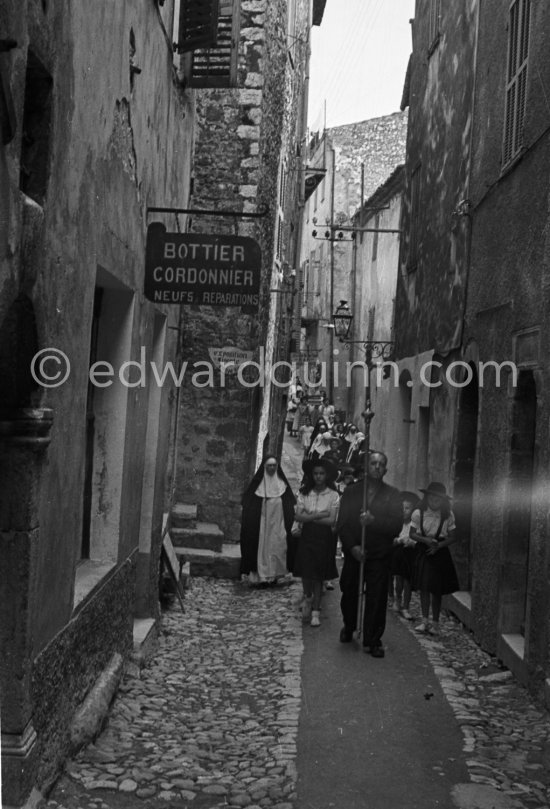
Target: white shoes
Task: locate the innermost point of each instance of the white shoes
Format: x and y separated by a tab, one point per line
315	618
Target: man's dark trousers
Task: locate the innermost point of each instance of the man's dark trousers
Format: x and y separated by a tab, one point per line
376	578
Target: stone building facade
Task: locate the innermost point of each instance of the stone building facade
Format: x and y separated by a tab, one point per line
503	426
95	128
372	302
352	161
248	159
433	271
472	290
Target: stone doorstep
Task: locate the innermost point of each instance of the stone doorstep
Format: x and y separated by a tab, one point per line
206	536
145	640
460	604
219	565
511	651
184	515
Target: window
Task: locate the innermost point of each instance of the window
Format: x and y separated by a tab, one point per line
214	65
414	221
516	79
198	24
35	142
434	21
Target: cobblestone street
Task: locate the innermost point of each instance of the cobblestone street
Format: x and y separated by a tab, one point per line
213	721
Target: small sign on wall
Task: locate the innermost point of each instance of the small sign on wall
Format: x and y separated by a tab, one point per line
199	269
230	356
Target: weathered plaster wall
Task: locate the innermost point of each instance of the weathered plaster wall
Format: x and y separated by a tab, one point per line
116	147
508	293
373	299
432	284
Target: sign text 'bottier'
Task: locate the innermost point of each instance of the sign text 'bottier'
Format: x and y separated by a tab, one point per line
199	269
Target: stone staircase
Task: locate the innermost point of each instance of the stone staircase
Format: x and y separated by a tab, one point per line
201	545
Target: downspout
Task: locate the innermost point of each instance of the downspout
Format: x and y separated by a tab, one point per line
468	256
331	291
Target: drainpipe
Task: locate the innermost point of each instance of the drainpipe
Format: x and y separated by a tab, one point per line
331	296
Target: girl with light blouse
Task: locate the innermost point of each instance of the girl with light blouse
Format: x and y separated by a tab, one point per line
316	510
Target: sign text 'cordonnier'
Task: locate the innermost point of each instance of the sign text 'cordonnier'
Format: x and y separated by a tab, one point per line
194	268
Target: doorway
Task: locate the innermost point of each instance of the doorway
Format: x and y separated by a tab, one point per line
466	447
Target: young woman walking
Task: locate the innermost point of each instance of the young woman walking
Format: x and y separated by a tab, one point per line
316	510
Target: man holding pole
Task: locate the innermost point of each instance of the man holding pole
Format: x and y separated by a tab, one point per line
370	516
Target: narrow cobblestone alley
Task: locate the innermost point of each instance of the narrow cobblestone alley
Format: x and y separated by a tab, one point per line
236	710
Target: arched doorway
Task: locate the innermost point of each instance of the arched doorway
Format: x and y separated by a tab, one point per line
517	539
24	436
463	489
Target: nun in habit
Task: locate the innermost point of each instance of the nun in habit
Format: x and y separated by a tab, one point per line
267	517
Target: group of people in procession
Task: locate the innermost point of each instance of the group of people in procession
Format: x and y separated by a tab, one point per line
396	545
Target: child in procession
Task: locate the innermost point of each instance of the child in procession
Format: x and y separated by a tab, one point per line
403	558
433	528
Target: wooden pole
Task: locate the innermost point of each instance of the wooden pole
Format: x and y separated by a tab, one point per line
367	415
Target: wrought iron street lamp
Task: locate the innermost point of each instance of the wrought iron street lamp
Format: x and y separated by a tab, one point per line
342	320
374	349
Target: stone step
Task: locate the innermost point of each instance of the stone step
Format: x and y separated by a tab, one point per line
205	536
184	515
224	565
145	640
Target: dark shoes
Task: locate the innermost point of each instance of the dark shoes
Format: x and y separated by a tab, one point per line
346	635
374	651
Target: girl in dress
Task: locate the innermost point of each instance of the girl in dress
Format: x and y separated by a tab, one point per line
433	528
300	416
316	510
404	557
305	433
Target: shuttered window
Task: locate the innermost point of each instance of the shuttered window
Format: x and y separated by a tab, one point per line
217	66
516	79
198	24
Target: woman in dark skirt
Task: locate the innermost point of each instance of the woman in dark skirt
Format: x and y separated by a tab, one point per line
433	528
316	510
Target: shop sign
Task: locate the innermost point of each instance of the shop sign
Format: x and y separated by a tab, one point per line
201	269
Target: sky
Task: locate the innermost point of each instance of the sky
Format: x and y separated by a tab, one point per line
359	59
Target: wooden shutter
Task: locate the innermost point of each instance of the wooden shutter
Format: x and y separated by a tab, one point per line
198	24
516	79
217	66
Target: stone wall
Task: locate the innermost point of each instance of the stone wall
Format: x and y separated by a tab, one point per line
242	135
65	671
